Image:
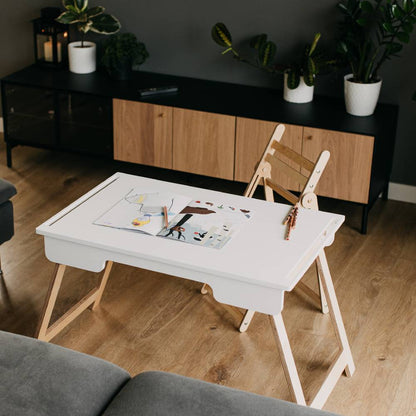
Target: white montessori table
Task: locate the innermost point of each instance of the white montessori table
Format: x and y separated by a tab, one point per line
252	271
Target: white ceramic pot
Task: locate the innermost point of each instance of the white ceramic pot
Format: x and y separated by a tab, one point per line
82	60
302	94
360	99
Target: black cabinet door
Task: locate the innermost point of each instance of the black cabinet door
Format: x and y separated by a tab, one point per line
85	123
30	115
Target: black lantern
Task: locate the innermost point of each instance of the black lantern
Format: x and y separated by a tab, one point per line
50	39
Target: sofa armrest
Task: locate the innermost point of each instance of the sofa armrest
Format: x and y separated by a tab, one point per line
7	190
38	378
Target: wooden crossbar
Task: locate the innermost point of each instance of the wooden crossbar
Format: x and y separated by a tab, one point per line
70	315
291	154
279	165
281	191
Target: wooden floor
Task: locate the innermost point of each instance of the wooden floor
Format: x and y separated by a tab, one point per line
152	321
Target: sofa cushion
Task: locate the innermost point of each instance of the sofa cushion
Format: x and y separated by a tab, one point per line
6	221
38	378
163	394
7	190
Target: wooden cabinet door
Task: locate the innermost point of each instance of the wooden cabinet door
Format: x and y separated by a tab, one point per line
142	133
203	143
251	140
347	174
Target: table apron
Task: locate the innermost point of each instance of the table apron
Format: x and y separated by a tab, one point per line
225	290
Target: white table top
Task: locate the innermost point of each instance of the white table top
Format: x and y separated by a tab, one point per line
258	256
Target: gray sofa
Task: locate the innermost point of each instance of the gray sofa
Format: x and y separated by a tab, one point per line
38	378
7	190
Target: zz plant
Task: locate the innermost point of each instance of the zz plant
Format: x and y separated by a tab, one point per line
373	31
309	64
86	19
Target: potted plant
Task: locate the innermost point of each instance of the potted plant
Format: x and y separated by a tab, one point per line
299	76
82	54
371	32
121	52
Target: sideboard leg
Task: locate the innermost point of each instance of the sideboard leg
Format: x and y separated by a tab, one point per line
385	194
9	155
364	219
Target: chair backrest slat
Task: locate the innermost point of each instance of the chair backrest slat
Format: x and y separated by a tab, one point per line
279	165
295	156
282	191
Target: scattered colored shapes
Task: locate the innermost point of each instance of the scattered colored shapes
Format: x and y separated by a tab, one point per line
139	222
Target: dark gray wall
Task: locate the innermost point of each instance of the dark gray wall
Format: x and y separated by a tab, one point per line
177	35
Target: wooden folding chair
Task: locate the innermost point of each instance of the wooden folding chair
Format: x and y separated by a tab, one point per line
269	166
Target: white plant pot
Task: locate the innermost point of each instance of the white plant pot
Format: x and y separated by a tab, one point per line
302	94
82	60
360	99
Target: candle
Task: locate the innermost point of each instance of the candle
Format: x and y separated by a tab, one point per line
48	52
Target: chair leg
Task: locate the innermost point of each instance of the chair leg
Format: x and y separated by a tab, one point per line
246	320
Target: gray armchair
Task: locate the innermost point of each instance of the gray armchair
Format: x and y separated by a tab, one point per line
7	190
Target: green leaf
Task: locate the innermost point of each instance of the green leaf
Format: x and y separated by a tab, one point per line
311	67
407	6
309	79
366	6
362	21
266	53
68	17
95	11
105	24
81	4
68	3
221	35
394	48
293	79
314	43
403	37
84	27
258	41
397	11
388	27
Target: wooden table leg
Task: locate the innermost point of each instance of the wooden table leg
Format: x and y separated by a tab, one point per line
335	313
343	361
46	332
288	362
50	301
103	283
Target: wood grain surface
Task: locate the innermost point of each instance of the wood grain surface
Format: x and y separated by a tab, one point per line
142	133
150	321
203	143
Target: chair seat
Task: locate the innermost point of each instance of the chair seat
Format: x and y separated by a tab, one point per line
7	190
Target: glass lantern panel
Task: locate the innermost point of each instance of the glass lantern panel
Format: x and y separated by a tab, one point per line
41	41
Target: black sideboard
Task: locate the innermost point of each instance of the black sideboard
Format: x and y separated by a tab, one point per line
60	110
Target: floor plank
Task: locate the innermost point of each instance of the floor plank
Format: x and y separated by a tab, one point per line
153	321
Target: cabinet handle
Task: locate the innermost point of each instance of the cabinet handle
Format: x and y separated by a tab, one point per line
161	115
309	138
